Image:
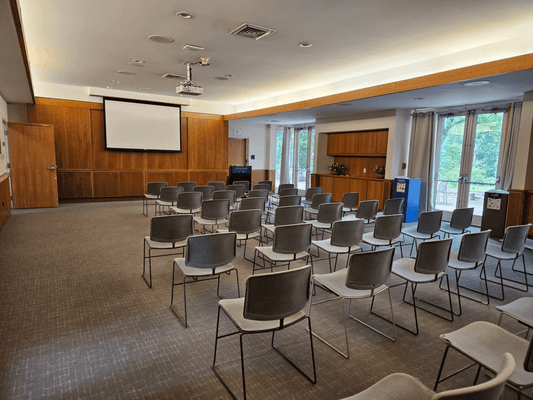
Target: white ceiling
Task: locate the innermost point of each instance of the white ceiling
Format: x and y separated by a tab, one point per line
83	43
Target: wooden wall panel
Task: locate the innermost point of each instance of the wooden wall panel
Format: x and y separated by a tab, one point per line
529	211
359	186
327	183
114	160
200	177
260	175
208	144
72	129
170	177
368	142
516	207
74	185
5	200
341	186
375	192
383	139
218	176
356	165
170	161
118	184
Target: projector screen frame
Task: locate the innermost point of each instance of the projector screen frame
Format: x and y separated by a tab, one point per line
154	103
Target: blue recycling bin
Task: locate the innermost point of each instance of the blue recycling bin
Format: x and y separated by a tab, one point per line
409	190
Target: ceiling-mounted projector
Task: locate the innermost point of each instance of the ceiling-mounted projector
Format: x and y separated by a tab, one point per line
189	87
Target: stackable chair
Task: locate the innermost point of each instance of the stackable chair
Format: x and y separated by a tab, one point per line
152	193
520	310
428	225
471	253
217	185
272	302
401	386
364	278
512	248
166	233
187	186
281	187
284	201
240	190
429	266
288	215
367	210
253	203
168	197
345	237
350	201
230	195
188	203
486	344
269	183
290	243
327	214
308	197
387	232
259	193
318	198
206	257
207	191
246	185
214	213
283	193
459	223
392	206
247	225
262	186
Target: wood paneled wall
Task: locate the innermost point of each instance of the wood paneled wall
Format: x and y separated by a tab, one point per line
87	171
5	200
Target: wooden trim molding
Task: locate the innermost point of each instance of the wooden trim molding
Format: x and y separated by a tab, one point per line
45	101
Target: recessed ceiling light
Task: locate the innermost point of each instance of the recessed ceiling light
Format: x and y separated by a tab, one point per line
229	76
125	72
477	83
185	15
305	44
116	81
160	39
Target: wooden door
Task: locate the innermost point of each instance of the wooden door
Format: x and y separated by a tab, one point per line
237	152
33	165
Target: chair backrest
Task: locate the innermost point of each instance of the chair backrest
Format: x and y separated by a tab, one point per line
215	209
190	200
429	222
347	233
351	199
207	191
218	185
462	218
288	192
258	193
230	195
253	203
369	270
393	206
514	238
245	221
246	184
277	295
329	212
320	198
187	186
285	186
473	246
388	227
269	183
292	239
171	228
490	390
433	256
311	191
290	200
211	251
289	215
153	188
367	209
170	193
262	186
238	188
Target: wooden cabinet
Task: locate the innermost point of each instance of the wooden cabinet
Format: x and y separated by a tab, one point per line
361	143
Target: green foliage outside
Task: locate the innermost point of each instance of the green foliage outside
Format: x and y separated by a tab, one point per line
302	151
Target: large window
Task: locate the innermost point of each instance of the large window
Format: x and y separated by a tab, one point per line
299	148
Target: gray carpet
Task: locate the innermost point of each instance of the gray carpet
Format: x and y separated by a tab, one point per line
77	321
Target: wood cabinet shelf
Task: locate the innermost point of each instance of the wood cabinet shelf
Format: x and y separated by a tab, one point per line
359	143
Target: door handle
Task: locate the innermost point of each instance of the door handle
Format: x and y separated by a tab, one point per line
52	168
460	179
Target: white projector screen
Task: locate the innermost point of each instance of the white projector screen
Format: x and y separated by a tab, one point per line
134	125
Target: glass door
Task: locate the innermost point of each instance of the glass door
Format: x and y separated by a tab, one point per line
304	142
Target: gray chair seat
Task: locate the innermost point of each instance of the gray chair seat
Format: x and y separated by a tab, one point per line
234	310
319	225
192	271
328	247
494	250
178	210
446	228
520	309
273	256
412	231
164	203
460	265
269	227
211	222
395	387
405	268
336	282
151	196
163	245
369	238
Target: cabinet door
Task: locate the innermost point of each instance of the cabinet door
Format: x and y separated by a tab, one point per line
375	192
382	141
359	186
327	182
342	185
367	142
335	143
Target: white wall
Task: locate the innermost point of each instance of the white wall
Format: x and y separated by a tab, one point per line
258	136
3	116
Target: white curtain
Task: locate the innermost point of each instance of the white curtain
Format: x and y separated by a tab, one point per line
285	160
421	154
509	153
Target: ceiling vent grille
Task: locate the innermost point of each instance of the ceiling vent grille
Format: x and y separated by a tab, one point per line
252	31
168	75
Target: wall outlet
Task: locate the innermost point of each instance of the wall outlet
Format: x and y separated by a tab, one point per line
364	170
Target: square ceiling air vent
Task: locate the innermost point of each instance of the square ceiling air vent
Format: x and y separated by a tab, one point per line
252	31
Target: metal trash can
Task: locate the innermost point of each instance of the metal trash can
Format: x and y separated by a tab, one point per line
495	212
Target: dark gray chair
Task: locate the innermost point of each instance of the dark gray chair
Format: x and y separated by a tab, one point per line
168	197
345	237
365	277
459	223
309	195
251	203
387	231
430	265
318	198
288	215
166	233
350	201
214	212
428	225
392	206
152	193
188	203
272	302
246	185
290	243
327	214
247	225
230	195
284	201
187	186
367	210
283	193
206	258
207	191
269	183
240	190
259	193
260	186
217	185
